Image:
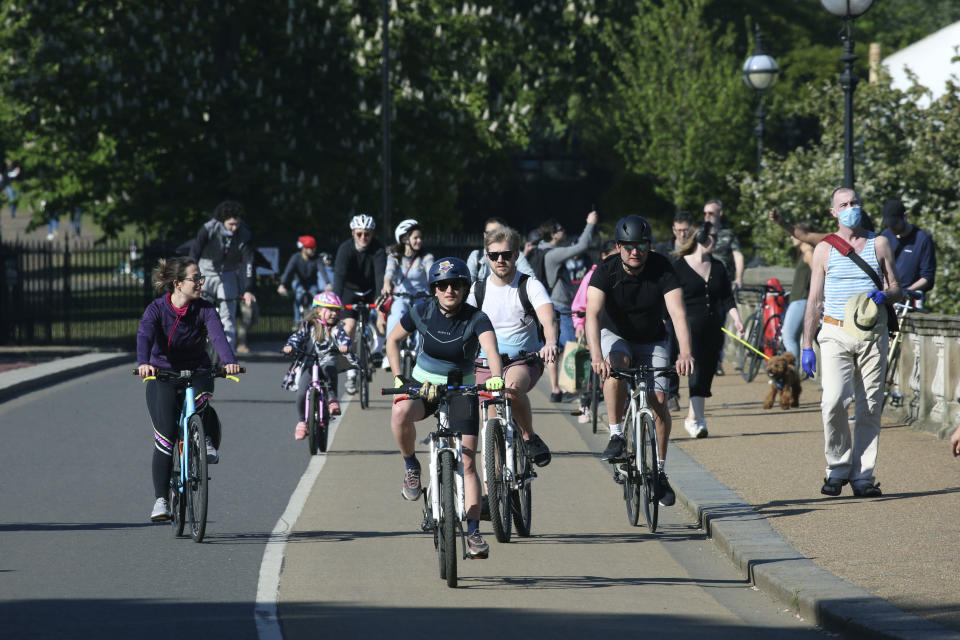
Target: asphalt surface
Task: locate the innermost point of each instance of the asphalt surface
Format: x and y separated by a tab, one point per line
79	558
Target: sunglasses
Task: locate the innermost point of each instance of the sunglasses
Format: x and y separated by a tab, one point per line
496	255
195	279
362	234
443	285
635	246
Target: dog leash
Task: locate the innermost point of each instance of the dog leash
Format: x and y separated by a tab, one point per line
744	343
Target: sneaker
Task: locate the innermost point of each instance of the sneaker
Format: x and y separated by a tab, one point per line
538	450
673	403
334	407
584	416
351	386
213	456
719	369
556	397
616	448
664	492
161	511
386	364
867	491
701	429
832	486
411	489
301	431
619	475
477	548
690	426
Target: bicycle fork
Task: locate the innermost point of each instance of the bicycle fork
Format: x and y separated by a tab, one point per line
438	444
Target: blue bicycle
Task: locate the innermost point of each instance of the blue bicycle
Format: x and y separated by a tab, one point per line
188	481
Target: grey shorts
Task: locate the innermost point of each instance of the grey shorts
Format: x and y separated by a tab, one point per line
654	354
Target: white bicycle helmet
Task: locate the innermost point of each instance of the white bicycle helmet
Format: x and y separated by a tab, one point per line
404	227
362	221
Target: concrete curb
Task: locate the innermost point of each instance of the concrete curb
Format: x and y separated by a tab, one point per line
776	568
17	382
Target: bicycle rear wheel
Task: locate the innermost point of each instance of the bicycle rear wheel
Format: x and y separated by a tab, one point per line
448	519
521	499
632	488
649	470
323	422
364	372
750	360
177	500
594	397
312	419
197	478
498	493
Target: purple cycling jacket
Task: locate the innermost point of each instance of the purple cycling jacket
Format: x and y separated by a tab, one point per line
174	339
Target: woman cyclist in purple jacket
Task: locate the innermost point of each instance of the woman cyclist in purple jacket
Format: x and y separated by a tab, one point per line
172	336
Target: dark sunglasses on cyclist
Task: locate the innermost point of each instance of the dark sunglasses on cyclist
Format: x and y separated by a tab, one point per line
363	234
496	255
457	285
635	246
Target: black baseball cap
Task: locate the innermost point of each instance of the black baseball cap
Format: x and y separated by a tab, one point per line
893	212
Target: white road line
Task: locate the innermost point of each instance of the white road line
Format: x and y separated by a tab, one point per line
268	585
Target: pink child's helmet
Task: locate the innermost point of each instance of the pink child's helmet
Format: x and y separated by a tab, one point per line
327	299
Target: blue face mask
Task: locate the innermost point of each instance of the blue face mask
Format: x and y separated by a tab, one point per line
850	217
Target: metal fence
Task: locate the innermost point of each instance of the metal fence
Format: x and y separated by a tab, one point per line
94	293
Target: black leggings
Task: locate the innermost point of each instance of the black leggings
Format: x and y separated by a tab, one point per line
164	400
306	378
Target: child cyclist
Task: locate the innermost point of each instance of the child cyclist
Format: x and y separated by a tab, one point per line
322	325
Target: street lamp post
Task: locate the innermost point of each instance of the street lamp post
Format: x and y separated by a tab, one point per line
848	10
760	72
385	116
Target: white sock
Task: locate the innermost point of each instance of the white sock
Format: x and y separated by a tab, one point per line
661	465
616	429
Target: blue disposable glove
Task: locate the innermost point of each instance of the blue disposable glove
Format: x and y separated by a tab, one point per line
879	297
809	362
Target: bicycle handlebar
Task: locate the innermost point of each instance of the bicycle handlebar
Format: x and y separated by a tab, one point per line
642	370
187	374
353	307
441	389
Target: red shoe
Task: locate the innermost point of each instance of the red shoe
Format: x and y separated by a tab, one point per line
334	408
301	431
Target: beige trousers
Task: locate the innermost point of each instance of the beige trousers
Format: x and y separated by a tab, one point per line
851	371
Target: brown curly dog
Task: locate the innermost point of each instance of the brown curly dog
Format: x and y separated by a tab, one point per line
782	371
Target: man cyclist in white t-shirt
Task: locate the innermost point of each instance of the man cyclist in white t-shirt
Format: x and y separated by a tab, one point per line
516	329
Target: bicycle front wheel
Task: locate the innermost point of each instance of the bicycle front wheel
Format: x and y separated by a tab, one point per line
521	498
364	372
649	470
197	478
176	499
632	488
595	391
750	359
448	519
494	462
312	419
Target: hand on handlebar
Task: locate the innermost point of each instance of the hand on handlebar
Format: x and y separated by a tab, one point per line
287	349
146	370
549	353
494	384
601	368
231	369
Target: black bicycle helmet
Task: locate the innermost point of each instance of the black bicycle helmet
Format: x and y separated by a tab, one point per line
448	269
633	228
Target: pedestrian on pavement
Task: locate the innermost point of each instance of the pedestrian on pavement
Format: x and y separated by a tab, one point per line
793	317
853	342
727	250
560	285
913	248
225	254
708	299
173	336
682	229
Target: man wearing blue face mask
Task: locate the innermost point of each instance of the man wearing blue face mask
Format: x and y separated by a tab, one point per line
853	342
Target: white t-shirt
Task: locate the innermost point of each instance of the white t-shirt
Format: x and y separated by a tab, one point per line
515	330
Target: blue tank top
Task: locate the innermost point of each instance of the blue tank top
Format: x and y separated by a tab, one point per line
844	278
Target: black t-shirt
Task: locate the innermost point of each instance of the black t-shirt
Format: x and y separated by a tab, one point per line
634	306
448	343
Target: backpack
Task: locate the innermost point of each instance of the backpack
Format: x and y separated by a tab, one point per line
480	290
537	261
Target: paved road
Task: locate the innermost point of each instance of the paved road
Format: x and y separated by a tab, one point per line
78	555
80	559
357	564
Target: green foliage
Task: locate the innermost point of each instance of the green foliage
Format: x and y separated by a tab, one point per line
678	104
902	151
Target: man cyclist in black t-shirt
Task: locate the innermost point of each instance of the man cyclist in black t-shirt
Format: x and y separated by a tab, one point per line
626	300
